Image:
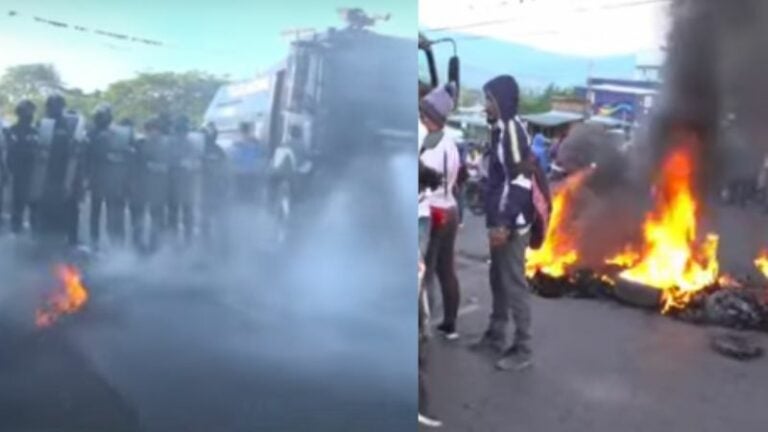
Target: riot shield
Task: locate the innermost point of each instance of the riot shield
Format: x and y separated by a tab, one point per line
120	143
76	128
193	156
40	160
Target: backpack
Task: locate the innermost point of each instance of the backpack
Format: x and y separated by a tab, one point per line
541	208
542	203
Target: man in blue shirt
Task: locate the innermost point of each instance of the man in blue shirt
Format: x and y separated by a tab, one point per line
540	147
250	160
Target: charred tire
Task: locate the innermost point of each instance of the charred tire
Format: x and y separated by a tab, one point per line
636	294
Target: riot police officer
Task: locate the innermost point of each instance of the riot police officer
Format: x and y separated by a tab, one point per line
22	143
3	169
59	170
150	182
214	190
109	155
184	179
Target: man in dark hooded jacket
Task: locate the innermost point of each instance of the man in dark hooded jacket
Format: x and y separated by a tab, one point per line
509	216
22	143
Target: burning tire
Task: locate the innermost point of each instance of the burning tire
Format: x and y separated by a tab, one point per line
636	294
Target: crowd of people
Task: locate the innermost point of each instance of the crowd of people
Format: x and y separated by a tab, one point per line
161	181
517	205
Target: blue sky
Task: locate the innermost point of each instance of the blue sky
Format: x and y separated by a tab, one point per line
233	37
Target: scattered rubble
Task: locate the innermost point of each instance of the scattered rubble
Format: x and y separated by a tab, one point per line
736	346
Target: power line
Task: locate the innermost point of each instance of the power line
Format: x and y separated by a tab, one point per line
575	10
62	25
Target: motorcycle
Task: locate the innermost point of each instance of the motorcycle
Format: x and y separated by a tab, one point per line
474	193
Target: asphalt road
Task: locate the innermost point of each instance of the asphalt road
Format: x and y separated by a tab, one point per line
322	338
598	366
188	361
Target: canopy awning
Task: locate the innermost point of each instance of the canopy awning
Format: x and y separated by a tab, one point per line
553	118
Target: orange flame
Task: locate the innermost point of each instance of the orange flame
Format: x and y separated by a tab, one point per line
672	259
626	258
558	252
761	262
69	297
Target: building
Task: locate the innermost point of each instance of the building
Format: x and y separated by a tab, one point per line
627	101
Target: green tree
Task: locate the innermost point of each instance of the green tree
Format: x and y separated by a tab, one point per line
537	101
33	81
470	97
148	94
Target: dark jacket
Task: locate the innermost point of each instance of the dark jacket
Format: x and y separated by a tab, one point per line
509	201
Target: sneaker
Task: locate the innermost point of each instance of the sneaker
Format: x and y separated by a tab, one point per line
515	359
448	331
488	343
429	421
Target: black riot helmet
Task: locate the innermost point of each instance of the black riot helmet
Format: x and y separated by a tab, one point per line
164	123
102	116
54	106
181	125
25	111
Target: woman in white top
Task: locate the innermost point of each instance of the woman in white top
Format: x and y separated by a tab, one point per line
440	153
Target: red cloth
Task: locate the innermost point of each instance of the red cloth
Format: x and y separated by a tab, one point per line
439	217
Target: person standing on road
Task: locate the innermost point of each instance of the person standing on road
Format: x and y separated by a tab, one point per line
3	170
22	142
440	153
186	163
59	182
540	147
509	215
214	191
108	159
150	184
250	159
429	180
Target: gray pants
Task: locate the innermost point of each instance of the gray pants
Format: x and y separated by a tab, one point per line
510	290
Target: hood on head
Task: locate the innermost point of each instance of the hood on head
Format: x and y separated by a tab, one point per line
506	93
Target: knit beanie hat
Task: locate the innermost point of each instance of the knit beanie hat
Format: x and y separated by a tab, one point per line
437	104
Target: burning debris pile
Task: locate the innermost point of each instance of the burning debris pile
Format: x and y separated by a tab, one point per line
671	261
68	297
672	266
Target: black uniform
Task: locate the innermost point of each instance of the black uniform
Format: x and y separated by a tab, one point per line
214	191
3	169
23	144
110	153
61	191
150	181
